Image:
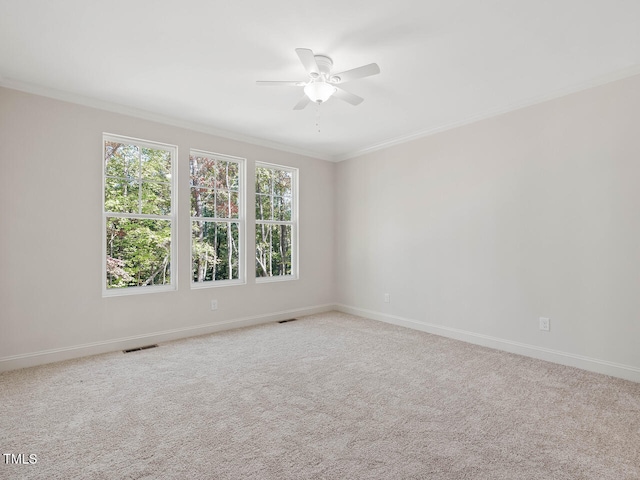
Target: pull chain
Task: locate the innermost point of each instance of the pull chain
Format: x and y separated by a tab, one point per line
318	117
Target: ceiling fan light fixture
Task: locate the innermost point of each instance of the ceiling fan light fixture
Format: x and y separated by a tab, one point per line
320	84
319	91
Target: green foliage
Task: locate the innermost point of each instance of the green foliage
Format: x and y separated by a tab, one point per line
214	251
273	194
215	202
138	252
273	203
137	181
273	250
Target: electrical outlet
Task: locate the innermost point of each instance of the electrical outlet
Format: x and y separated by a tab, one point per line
544	324
214	304
387	298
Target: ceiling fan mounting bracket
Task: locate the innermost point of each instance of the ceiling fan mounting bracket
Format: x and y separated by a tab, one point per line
324	64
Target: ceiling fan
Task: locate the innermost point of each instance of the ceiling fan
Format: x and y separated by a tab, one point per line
322	84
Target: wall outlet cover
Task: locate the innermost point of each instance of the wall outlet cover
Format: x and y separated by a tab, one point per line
544	324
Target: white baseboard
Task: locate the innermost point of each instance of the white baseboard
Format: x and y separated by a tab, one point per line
66	353
626	372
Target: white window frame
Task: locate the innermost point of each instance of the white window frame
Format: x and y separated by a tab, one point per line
241	221
293	223
172	217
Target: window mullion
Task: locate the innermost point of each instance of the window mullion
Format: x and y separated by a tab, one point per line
275	222
147	216
139	179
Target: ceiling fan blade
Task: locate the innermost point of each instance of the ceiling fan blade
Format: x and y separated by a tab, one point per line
360	72
348	96
269	83
304	101
308	60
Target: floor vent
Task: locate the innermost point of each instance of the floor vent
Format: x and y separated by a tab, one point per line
146	347
286	321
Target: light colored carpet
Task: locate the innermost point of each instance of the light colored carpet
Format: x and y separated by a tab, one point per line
329	396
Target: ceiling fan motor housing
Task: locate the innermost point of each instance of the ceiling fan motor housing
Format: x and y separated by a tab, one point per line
324	65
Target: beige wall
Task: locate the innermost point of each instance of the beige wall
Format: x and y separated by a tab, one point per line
474	232
50	250
477	232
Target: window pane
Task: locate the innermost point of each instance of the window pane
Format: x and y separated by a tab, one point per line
223	178
155	164
234	176
263	250
263	207
235	206
281	248
121	196
273	250
222	251
222	204
282	208
156	198
203	202
138	252
203	250
263	180
215	253
234	252
286	209
281	182
121	160
202	171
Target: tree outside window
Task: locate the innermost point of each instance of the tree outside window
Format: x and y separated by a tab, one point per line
216	218
138	215
276	221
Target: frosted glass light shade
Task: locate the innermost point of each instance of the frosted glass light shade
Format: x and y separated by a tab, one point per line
319	91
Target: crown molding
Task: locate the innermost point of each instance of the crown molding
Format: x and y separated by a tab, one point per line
155	117
146	115
598	81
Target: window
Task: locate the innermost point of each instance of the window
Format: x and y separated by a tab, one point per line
138	216
276	222
217	219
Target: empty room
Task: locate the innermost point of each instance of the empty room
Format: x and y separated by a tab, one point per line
320	240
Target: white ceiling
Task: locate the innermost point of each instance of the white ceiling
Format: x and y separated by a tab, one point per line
195	62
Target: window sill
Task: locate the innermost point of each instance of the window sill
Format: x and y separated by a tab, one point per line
280	278
126	291
216	283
